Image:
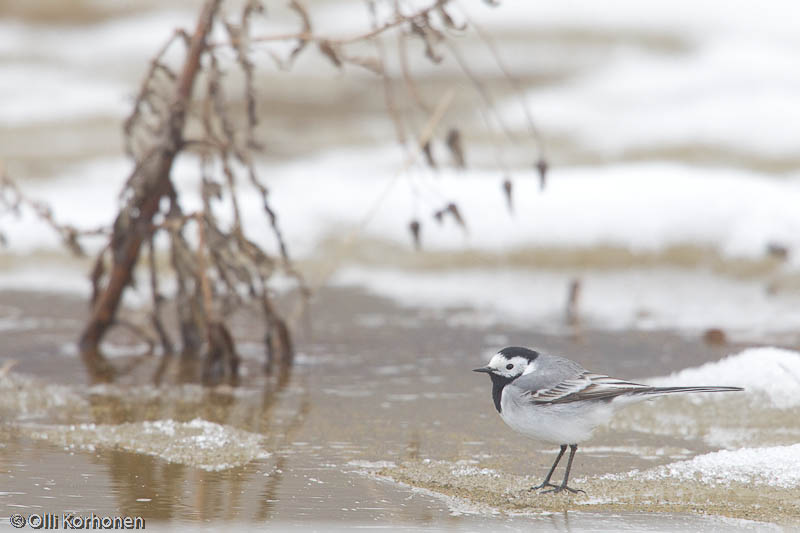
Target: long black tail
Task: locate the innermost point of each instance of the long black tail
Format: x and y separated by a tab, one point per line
611	388
670	390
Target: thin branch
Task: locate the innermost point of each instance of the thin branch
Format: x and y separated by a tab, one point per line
157	301
388	90
201	272
481	88
308	36
408	79
13	199
145	90
513	80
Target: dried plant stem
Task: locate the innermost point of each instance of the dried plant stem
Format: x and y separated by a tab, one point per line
225	270
132	225
202	275
12	198
308	36
157	300
408	79
389	96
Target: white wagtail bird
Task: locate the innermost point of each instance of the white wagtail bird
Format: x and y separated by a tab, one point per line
555	400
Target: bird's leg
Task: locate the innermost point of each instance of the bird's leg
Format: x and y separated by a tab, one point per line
546	482
572	449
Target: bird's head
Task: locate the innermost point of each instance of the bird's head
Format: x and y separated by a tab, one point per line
510	363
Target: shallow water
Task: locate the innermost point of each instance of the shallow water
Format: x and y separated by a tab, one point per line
380	401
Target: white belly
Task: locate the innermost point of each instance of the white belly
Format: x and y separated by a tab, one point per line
560	423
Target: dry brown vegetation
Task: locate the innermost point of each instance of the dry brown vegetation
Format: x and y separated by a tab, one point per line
184	108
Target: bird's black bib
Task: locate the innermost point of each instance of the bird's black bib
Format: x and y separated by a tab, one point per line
498	384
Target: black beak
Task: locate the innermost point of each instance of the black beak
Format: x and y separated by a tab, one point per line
486	369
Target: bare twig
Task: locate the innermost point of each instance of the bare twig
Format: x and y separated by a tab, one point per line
481	88
13	199
408	79
146	90
513	80
157	301
388	90
306	35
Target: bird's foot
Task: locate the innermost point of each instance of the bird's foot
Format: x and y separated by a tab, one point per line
559	488
543	485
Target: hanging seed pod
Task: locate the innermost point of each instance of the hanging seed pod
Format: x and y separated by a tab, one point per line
573	301
508	190
421	26
426	150
454	211
414	228
330	52
541	166
456	149
448	20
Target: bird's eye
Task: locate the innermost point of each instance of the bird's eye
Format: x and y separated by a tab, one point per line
509	366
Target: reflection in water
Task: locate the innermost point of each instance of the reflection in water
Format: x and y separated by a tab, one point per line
560	522
269	494
144	485
148	486
284	436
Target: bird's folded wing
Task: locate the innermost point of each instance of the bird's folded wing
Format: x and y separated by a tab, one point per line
587	386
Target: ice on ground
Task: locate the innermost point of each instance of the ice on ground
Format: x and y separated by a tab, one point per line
696	20
92	80
197	443
771	373
640	207
763	415
686	300
689	98
23	397
777	466
468	470
35	275
678	75
372	465
26	95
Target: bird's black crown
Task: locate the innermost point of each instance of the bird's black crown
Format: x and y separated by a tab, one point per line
517	351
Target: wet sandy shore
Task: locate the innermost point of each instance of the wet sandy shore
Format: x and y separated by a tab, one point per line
380	421
510	493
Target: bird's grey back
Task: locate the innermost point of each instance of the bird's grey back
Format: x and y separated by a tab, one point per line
550	370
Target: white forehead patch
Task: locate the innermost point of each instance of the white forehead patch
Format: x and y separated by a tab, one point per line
497	361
